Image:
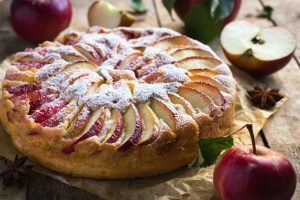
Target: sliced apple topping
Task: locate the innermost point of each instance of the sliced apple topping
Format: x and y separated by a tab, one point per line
186	52
48	110
176	99
117	127
168	42
129	60
95	129
15	75
80	122
166	112
89	52
198	100
150	124
22	89
209	80
209	90
133	128
79	65
198	62
204	72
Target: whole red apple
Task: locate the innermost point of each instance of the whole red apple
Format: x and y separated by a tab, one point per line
182	7
242	175
40	20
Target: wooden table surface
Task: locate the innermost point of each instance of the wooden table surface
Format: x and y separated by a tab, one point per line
282	131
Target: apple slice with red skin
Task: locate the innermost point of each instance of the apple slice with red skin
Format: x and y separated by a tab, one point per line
81	65
254	172
129	60
150	124
204	72
197	99
176	99
15	75
186	52
95	129
37	103
117	128
166	112
198	62
133	127
79	123
167	42
209	80
89	52
22	89
209	90
48	110
258	51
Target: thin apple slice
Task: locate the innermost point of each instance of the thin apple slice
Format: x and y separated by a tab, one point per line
89	52
186	52
133	128
204	72
168	42
79	124
209	80
176	99
22	89
209	90
81	65
15	75
48	110
117	127
97	122
130	59
166	112
198	100
198	62
150	124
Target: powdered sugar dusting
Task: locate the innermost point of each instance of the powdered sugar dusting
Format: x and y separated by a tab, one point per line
50	69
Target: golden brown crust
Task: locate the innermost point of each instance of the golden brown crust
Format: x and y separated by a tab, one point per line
96	159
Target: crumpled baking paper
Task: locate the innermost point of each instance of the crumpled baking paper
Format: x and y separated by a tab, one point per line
184	183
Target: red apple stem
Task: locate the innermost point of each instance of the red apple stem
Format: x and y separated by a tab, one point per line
250	129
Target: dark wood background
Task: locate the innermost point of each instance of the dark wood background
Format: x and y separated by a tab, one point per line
282	131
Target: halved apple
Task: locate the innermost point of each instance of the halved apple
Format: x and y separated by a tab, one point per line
182	53
150	124
133	128
209	90
256	50
209	80
117	127
198	100
167	42
176	99
102	13
166	112
197	62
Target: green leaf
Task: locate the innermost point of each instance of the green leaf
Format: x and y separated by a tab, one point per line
200	25
138	6
169	4
220	9
211	148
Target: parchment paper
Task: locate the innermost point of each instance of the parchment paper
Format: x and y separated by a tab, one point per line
183	183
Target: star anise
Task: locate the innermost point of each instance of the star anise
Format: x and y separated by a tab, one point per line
15	171
264	98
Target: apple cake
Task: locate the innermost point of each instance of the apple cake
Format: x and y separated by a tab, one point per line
116	103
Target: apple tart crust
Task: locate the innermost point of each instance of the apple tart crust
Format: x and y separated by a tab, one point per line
116	103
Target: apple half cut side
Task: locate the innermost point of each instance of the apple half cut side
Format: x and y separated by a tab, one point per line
133	128
198	62
258	51
182	53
